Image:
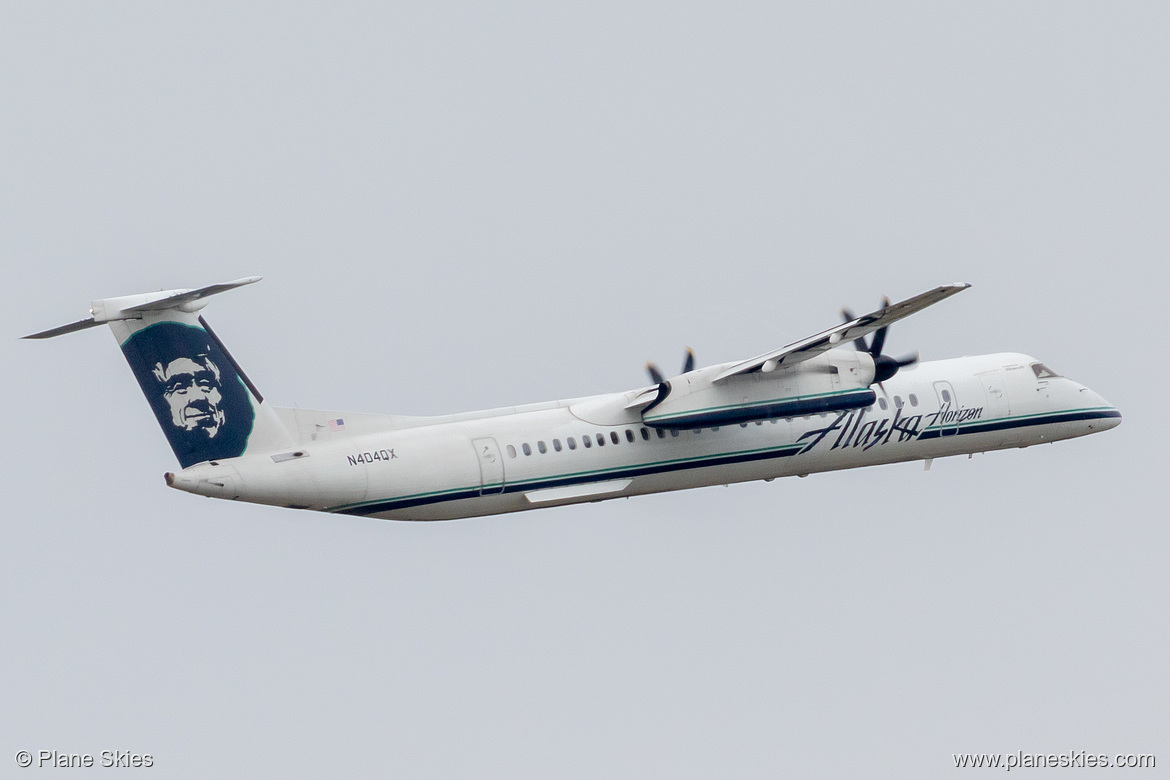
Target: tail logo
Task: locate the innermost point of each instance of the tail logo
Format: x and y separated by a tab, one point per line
197	396
192	389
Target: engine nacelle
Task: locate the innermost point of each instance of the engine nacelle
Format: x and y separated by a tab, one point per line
836	380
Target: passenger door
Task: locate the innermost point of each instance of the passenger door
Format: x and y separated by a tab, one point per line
948	405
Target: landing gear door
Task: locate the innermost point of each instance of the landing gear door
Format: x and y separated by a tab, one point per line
491	466
948	409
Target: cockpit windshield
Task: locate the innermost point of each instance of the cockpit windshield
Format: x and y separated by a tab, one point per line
1043	372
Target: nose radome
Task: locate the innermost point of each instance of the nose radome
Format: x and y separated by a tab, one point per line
1111	415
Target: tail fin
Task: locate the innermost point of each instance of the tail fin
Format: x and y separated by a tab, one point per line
204	402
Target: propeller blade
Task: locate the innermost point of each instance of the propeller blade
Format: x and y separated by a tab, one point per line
689	361
907	360
879	341
847	315
655	375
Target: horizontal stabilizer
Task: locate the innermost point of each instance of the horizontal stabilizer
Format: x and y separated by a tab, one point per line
133	307
88	322
183	297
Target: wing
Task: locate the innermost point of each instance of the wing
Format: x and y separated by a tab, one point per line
812	346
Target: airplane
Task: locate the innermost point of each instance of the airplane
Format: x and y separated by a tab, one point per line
805	408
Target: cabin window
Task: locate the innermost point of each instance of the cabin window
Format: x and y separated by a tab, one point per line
540	446
614	437
661	433
557	445
601	440
946	396
759	422
898	401
674	432
629	435
645	435
587	441
743	425
1043	372
882	403
511	451
913	400
571	442
526	448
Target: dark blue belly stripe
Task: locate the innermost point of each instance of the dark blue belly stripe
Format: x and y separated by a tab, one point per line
520	487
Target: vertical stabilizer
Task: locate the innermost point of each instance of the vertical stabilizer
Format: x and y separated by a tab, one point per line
205	404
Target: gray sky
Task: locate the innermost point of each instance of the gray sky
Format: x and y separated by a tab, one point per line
460	206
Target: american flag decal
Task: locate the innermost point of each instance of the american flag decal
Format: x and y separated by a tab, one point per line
336	425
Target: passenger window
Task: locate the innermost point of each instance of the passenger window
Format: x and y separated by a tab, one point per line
898	401
946	396
645	435
572	443
661	433
614	437
526	448
511	451
674	432
629	435
557	445
913	400
882	403
540	446
601	440
587	441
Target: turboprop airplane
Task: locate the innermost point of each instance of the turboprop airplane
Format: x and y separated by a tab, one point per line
806	407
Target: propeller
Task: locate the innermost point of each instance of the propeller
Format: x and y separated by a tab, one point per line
658	378
884	365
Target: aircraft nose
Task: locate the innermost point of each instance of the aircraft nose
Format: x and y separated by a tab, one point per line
1111	415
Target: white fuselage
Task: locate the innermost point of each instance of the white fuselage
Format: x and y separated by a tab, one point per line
533	456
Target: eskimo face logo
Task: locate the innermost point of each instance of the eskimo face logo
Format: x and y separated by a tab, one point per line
192	389
203	407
